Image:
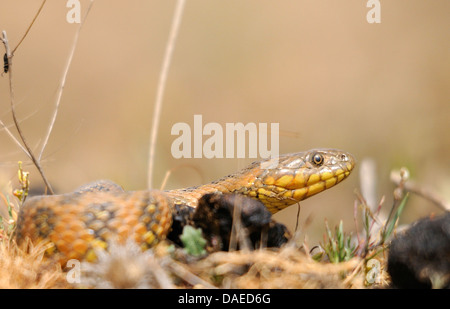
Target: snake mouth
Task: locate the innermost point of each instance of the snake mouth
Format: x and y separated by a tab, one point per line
317	183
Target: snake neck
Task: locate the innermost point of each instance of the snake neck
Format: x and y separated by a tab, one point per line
190	196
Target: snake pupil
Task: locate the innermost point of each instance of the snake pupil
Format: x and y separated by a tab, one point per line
317	159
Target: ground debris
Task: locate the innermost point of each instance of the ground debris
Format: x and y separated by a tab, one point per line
273	269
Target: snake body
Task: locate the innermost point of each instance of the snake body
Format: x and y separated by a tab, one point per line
78	223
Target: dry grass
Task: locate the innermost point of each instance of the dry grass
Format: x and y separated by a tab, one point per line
27	268
273	269
122	267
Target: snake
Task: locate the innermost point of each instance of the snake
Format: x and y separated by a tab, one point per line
76	224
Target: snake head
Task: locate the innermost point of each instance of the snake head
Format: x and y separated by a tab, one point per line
293	177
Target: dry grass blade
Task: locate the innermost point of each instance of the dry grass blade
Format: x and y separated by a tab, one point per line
161	86
30	26
63	82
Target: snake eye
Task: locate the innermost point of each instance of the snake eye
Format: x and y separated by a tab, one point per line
317	159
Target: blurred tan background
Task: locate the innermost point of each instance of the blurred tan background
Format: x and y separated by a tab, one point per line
318	68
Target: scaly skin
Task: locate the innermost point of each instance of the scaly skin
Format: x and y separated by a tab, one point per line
77	223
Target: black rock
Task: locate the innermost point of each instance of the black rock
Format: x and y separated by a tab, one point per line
420	256
216	214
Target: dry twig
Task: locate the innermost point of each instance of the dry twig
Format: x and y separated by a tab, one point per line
29	27
426	193
24	145
28	151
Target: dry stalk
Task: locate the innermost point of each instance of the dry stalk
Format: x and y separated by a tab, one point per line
63	82
161	86
9	55
28	151
24	145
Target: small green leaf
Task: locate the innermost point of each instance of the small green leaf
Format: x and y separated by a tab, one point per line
193	241
338	247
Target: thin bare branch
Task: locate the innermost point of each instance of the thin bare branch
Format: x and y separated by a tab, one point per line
29	27
15	140
426	193
63	83
13	112
161	86
9	54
